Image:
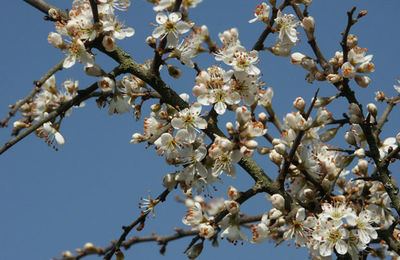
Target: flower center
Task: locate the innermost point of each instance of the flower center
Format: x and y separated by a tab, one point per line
334	236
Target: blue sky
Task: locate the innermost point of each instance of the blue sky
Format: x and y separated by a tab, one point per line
53	201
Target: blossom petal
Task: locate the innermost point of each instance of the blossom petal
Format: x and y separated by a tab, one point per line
161	18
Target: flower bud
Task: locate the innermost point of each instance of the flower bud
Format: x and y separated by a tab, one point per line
274	213
299	104
277	201
281	221
174	72
308	24
263	150
355	113
230	128
109	43
54	13
372	109
251	144
233	193
195	251
275	157
380	96
326	184
90	248
94	71
350	138
206	230
360	153
169	181
276	141
68	255
280	148
155	107
296	58
56	40
232	206
106	84
362	81
348	70
322	101
363	166
366	67
243	115
151	41
308	64
262	117
352	41
333	78
18	125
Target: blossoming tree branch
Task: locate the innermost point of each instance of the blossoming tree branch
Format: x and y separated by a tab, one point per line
334	201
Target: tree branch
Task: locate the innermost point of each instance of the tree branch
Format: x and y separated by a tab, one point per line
38	84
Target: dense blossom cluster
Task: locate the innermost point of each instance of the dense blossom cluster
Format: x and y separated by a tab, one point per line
354	207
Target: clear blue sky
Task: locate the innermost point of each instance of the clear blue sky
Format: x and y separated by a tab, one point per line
54	201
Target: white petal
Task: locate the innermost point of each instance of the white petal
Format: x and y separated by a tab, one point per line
182	27
220	108
59	138
161	18
177	123
69	61
341	247
325	250
160	30
174	17
200	123
129	32
172	40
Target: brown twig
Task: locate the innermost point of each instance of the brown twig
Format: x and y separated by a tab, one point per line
284	170
95	11
259	45
127	229
38	84
312	42
82	95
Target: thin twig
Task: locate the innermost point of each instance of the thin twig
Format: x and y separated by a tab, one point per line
82	95
284	170
127	229
36	89
312	42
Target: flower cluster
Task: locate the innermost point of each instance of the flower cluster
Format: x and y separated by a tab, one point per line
81	29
